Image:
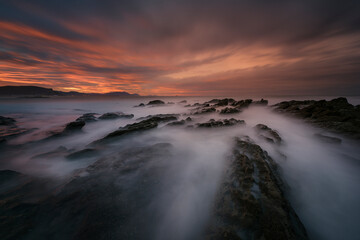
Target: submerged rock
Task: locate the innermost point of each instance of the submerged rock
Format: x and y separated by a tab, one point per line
328	139
156	102
268	134
115	115
85	153
250	203
221	123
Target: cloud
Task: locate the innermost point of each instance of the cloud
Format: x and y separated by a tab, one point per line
182	47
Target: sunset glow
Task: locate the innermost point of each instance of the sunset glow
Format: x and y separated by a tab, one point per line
182	48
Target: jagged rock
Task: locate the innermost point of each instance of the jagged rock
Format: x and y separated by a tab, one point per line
228	110
7	121
155	102
183	101
268	134
188	119
261	102
224	102
242	103
337	115
115	115
250	203
220	123
159	115
328	139
136	127
204	110
74	126
87	117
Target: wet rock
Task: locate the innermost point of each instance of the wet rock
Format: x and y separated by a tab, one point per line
242	103
170	103
85	153
140	105
224	102
204	110
228	110
159	116
87	117
137	127
156	102
261	102
74	126
250	203
336	115
188	119
183	101
268	134
115	115
328	139
220	123
7	121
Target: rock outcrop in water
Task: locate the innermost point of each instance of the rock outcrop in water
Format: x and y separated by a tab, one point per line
228	110
251	203
268	134
87	117
7	121
138	126
156	102
212	123
337	115
115	115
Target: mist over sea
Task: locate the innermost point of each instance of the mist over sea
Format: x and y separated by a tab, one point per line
322	179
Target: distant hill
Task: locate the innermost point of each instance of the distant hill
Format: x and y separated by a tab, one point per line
34	91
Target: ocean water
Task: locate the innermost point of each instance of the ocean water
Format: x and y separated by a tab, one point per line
322	178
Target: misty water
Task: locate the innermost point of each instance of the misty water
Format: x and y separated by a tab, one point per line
322	179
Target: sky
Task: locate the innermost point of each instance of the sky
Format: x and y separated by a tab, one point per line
202	48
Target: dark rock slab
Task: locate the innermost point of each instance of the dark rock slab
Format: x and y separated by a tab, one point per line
268	134
87	117
228	110
159	116
85	153
337	115
137	127
242	103
204	110
115	115
74	126
220	123
7	121
156	102
261	102
250	203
